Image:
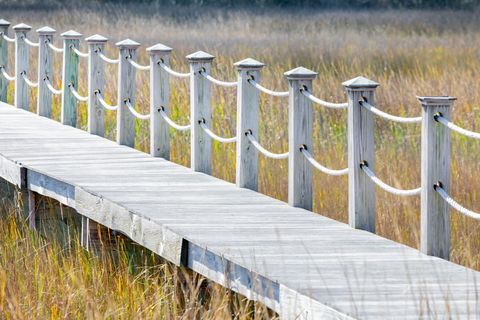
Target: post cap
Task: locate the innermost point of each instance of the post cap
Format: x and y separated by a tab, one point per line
360	83
22	27
436	101
71	34
46	30
249	63
4	23
159	48
127	44
200	56
300	73
96	38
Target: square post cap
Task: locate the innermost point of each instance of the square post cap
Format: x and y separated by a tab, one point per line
159	49
437	101
249	63
22	27
127	44
200	56
360	83
71	34
4	23
96	38
46	31
300	73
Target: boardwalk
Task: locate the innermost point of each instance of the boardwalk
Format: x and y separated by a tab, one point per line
300	264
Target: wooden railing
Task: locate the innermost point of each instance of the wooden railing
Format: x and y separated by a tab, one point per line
436	126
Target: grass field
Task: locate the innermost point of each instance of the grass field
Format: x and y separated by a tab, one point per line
409	53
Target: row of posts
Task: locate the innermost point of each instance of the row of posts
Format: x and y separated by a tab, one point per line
435	167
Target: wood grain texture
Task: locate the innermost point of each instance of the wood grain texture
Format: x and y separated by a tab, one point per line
21	98
96	75
70	77
45	64
4	26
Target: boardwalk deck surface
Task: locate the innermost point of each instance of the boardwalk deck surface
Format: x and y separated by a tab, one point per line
298	263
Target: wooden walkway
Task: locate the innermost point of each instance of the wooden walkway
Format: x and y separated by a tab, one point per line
300	264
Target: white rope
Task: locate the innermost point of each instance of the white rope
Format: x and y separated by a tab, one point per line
219	82
31	43
322	102
30	83
321	168
138	66
214	136
387	116
268	91
6	75
76	94
386	187
51	88
455	205
79	53
7	38
173	72
54	48
104	103
107	59
171	123
264	151
454	127
135	113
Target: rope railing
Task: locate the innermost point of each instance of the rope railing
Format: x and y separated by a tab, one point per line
30	43
262	150
172	123
386	187
209	132
137	65
104	103
454	204
78	52
135	112
51	88
267	91
56	49
107	59
7	38
388	116
454	127
321	102
76	94
318	166
218	82
173	72
6	75
28	81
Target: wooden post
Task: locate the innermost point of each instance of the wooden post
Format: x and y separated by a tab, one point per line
126	91
159	98
45	55
21	99
201	143
361	190
435	213
96	71
32	209
4	24
300	131
71	39
247	119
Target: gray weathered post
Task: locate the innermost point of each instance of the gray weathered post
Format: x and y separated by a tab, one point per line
201	143
435	213
71	39
96	74
159	98
247	120
300	131
126	91
361	190
4	24
21	65
45	55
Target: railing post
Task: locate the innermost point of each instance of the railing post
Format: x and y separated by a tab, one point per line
96	74
361	190
70	77
247	119
126	90
435	213
21	99
159	98
300	131
44	101
201	143
4	24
